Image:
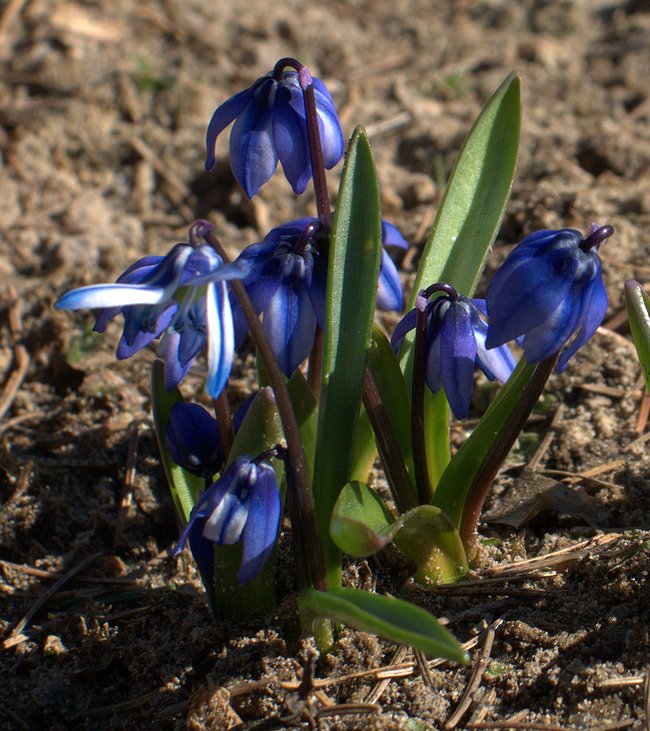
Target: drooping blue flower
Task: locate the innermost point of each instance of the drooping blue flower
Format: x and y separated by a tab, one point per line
194	440
549	288
271	125
455	344
181	297
286	282
243	504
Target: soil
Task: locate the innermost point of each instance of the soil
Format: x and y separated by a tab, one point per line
103	108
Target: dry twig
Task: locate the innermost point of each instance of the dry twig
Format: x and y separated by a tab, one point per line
21	356
17	637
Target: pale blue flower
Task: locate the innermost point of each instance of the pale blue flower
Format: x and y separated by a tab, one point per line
181	297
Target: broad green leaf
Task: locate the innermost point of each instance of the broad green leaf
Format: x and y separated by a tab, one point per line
361	521
393	619
364	450
475	197
429	538
362	525
436	434
182	484
354	256
638	314
459	478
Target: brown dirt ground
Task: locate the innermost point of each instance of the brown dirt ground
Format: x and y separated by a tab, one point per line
103	108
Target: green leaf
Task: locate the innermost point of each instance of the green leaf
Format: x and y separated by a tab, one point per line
475	197
458	479
429	538
354	257
638	314
361	521
393	619
182	484
364	450
362	524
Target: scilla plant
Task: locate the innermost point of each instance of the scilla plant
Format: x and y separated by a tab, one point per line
333	391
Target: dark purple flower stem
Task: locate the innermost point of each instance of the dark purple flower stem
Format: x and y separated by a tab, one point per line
425	492
597	236
313	132
306	537
321	194
224	420
508	435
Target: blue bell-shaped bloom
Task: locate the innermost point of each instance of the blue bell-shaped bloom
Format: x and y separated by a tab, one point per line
181	297
549	288
455	344
242	505
286	282
271	125
193	439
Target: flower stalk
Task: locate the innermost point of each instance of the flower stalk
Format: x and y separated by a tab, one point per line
307	545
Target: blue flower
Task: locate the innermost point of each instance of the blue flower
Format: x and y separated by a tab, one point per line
548	289
271	125
182	297
243	504
287	280
193	439
455	344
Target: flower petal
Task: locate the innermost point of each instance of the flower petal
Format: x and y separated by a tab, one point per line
405	325
261	528
252	155
391	236
593	308
221	338
290	326
290	138
524	296
193	438
389	289
222	117
174	370
457	356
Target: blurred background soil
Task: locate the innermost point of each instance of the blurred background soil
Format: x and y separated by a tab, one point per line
103	109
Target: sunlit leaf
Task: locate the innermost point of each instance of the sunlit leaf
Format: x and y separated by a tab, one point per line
393	619
354	256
